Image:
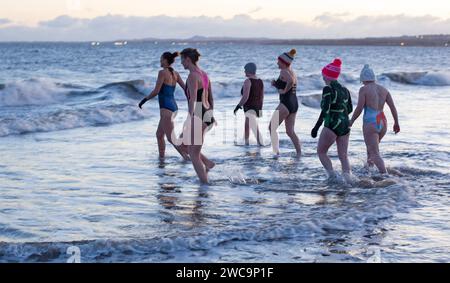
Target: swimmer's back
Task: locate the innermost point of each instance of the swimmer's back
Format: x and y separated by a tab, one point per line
375	96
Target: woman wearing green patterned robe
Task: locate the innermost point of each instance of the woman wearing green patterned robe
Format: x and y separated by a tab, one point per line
336	105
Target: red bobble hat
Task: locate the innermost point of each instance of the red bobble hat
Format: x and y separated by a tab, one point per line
333	70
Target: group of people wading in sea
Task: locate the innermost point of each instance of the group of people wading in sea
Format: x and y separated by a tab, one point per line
336	106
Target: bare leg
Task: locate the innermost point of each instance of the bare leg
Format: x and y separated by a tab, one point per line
342	148
381	135
208	163
369	161
278	117
372	139
290	131
200	162
199	166
253	125
247	131
168	128
161	141
326	140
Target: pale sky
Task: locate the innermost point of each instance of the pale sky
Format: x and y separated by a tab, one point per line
30	12
85	20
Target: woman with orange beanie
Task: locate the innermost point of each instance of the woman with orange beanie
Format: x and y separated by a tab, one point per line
288	107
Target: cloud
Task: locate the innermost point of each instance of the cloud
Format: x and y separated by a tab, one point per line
255	10
62	22
330	18
112	27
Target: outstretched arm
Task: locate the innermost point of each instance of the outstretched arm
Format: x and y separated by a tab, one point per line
181	82
156	90
359	108
390	103
350	102
325	106
319	123
158	86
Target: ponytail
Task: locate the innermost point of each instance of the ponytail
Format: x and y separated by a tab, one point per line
170	57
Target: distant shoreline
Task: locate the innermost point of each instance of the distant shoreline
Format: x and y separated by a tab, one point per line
417	41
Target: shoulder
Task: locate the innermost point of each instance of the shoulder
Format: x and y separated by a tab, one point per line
247	82
162	73
382	88
346	90
327	89
193	78
284	73
363	90
176	73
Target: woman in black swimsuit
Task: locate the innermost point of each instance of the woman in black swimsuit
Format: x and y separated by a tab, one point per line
201	105
288	107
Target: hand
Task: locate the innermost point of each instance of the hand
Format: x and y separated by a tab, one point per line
237	109
314	132
273	82
143	101
396	128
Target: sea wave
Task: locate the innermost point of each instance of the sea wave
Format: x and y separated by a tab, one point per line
419	78
43	91
384	203
31	92
70	118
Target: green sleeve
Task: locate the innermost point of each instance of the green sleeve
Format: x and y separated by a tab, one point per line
350	103
326	100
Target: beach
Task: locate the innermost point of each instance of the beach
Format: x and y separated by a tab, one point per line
79	161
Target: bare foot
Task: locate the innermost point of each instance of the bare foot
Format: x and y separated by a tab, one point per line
210	166
183	152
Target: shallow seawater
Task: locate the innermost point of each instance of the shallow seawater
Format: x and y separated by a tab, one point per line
81	169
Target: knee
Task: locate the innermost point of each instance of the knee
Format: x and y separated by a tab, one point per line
321	151
290	132
373	153
160	135
193	152
169	139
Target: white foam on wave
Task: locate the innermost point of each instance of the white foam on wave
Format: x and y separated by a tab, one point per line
352	216
31	92
70	119
435	79
420	78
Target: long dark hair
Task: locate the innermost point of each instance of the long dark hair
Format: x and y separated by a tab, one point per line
170	57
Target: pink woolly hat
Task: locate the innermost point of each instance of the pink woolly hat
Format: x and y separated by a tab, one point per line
333	70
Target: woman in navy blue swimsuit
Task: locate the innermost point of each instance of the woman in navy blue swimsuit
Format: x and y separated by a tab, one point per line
165	89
